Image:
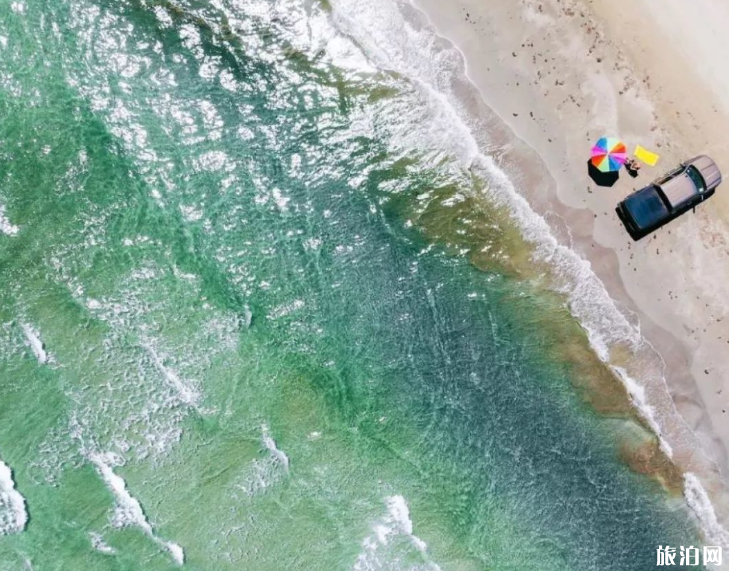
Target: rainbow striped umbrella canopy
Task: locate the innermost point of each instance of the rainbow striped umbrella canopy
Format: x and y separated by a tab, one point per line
609	154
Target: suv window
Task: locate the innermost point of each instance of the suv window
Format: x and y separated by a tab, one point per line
696	177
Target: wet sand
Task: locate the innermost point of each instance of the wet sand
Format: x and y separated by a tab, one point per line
561	74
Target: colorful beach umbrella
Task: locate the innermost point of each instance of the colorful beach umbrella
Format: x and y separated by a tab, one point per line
609	154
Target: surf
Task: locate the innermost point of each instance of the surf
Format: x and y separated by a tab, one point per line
13	512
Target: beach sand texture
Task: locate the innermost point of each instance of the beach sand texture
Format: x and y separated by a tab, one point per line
561	74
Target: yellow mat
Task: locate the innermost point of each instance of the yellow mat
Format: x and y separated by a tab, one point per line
646	156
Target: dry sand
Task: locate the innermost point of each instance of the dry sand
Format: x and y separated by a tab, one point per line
562	73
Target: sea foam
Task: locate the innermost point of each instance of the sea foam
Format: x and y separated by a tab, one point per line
187	394
699	502
98	543
33	339
13	515
276	453
128	510
640	402
5	226
396	523
261	474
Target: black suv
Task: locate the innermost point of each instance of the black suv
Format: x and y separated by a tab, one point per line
670	196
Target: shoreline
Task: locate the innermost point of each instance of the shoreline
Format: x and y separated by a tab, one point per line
556	106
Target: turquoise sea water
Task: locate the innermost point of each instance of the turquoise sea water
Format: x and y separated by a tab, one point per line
249	322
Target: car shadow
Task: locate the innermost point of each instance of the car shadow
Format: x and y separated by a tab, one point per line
602	178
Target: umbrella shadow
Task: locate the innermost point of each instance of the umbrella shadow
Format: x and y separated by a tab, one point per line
602	178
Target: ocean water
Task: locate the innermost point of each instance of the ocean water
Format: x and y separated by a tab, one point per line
258	313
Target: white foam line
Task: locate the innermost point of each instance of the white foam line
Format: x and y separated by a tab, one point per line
187	394
400	514
699	502
285	309
128	509
396	522
34	342
640	402
98	543
276	453
13	515
5	226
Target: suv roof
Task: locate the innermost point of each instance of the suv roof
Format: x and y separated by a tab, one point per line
646	207
708	170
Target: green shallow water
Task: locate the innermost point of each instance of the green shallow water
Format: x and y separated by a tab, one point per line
255	308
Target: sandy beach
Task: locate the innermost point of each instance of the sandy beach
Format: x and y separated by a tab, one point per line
561	74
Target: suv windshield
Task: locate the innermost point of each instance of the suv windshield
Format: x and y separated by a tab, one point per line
696	177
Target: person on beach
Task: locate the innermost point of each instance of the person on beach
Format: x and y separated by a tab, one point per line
633	166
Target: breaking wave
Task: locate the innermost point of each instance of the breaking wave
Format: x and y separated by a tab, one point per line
396	524
128	510
5	226
13	515
33	339
699	502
